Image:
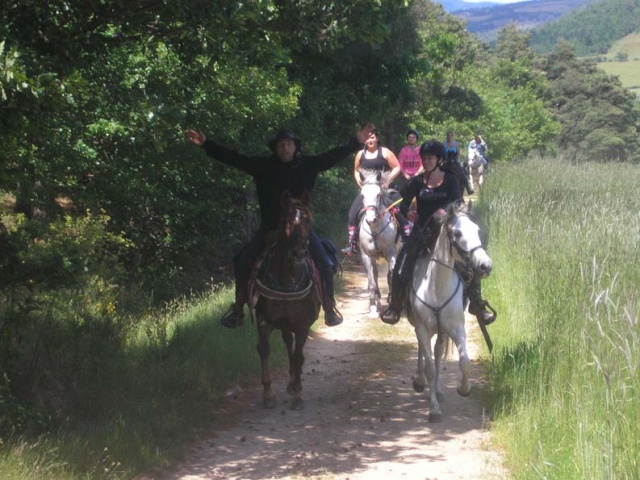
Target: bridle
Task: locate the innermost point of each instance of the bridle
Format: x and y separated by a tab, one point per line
271	288
379	212
465	254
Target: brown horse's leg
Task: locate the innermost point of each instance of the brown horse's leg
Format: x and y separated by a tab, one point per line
287	338
269	397
296	361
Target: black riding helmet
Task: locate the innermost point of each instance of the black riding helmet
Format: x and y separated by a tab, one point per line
433	147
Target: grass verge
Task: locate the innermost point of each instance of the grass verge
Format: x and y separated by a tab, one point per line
566	244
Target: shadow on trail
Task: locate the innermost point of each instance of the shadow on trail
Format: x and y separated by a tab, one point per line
360	409
346	424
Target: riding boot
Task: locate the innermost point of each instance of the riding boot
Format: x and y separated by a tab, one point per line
234	317
477	306
332	317
392	314
352	246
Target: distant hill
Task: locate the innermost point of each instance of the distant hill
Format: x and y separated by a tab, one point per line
592	29
486	22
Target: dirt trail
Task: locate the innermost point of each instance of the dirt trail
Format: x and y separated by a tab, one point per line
362	418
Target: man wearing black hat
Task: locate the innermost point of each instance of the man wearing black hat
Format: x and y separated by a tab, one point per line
285	169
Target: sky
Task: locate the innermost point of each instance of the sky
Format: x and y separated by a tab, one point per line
495	1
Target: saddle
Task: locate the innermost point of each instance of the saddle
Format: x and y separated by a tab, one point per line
260	283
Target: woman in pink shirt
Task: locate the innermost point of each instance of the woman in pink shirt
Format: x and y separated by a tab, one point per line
409	157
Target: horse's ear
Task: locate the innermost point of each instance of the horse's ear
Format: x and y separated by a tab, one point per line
362	177
469	205
379	177
305	198
451	210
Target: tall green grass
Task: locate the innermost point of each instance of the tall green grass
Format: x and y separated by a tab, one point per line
151	398
565	241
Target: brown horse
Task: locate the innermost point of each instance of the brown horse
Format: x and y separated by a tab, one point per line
287	296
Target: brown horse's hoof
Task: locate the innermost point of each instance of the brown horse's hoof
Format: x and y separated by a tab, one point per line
297	405
270	402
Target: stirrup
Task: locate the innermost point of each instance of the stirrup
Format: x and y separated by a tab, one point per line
482	305
332	317
232	319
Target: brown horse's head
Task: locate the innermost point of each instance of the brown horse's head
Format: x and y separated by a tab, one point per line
296	222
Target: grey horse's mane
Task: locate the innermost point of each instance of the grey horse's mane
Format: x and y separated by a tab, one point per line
462	208
370	176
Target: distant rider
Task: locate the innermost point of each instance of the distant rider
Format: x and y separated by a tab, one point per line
477	147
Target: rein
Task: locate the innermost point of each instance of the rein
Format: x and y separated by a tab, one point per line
463	253
377	234
380	215
271	288
272	294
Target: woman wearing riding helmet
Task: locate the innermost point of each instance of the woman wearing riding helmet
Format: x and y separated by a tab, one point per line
433	191
378	158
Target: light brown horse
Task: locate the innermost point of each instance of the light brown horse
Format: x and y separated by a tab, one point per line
288	299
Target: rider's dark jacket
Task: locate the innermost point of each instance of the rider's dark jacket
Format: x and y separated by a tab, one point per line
272	176
429	200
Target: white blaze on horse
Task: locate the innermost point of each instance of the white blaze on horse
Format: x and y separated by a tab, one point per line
476	166
436	301
378	234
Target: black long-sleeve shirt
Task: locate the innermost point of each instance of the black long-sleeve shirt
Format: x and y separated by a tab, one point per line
429	200
272	176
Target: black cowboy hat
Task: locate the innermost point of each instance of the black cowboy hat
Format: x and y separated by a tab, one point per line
284	134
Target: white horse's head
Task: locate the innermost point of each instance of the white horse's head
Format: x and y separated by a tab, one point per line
464	235
373	193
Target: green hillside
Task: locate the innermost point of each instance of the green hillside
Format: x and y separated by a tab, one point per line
591	29
629	70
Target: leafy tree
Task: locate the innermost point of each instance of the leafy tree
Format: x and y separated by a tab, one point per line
504	98
598	116
512	44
